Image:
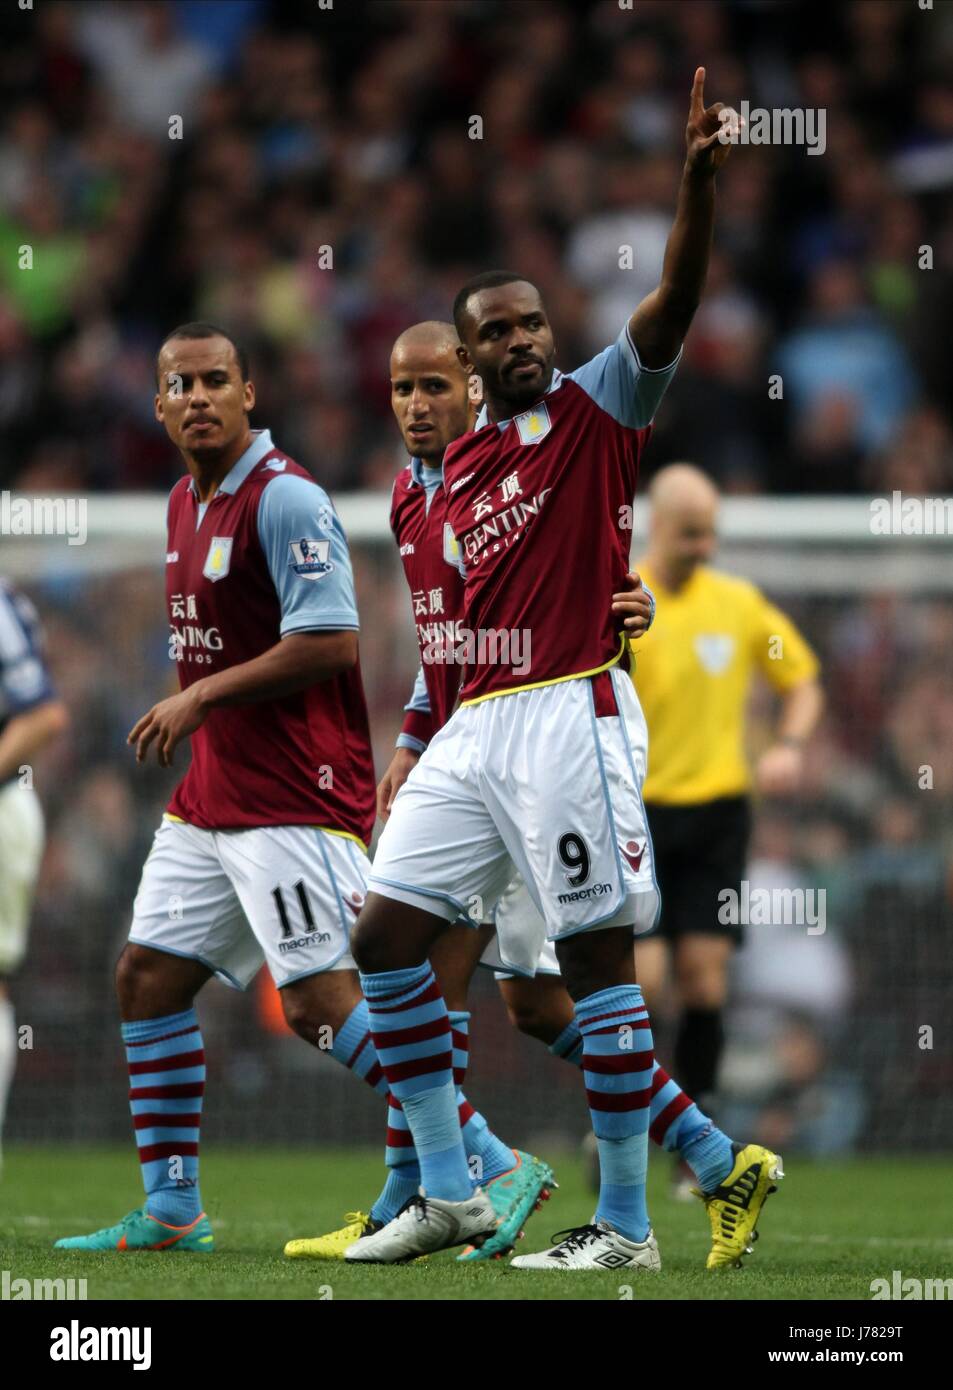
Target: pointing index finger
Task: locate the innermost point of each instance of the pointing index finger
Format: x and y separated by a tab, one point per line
698	92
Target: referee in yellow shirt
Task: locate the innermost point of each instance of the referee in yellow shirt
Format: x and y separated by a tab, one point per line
693	672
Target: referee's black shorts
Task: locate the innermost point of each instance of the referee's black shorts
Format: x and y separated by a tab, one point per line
699	852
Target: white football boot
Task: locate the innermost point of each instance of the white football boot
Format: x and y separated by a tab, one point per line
424	1225
594	1247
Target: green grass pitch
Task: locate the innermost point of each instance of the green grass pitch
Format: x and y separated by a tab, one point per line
826	1234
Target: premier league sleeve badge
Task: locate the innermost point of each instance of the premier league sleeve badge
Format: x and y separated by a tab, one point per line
309	559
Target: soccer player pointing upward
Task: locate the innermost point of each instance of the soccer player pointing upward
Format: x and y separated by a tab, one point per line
540	765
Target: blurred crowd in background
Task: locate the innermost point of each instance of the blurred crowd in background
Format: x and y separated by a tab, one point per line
305	129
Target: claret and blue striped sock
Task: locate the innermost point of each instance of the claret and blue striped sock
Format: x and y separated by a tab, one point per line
617	1067
705	1148
403	1166
568	1046
676	1123
411	1032
487	1155
402	1183
354	1048
166	1060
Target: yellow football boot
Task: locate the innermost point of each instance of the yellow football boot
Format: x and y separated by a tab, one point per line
734	1207
333	1245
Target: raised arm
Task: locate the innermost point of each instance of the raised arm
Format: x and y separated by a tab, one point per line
659	324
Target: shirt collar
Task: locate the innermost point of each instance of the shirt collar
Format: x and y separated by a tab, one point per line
417	467
482	420
260	446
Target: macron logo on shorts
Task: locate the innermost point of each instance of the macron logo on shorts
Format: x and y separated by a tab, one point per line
582	895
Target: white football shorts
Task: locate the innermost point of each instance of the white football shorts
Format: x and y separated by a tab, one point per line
283	895
547	782
21	850
520	946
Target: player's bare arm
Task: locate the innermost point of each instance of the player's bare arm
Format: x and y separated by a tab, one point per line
300	660
402	765
659	324
27	733
780	767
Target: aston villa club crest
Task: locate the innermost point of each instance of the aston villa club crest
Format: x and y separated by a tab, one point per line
533	424
219	558
451	548
715	651
309	559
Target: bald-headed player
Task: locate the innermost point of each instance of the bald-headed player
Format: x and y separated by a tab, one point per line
713	633
261	856
432	405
